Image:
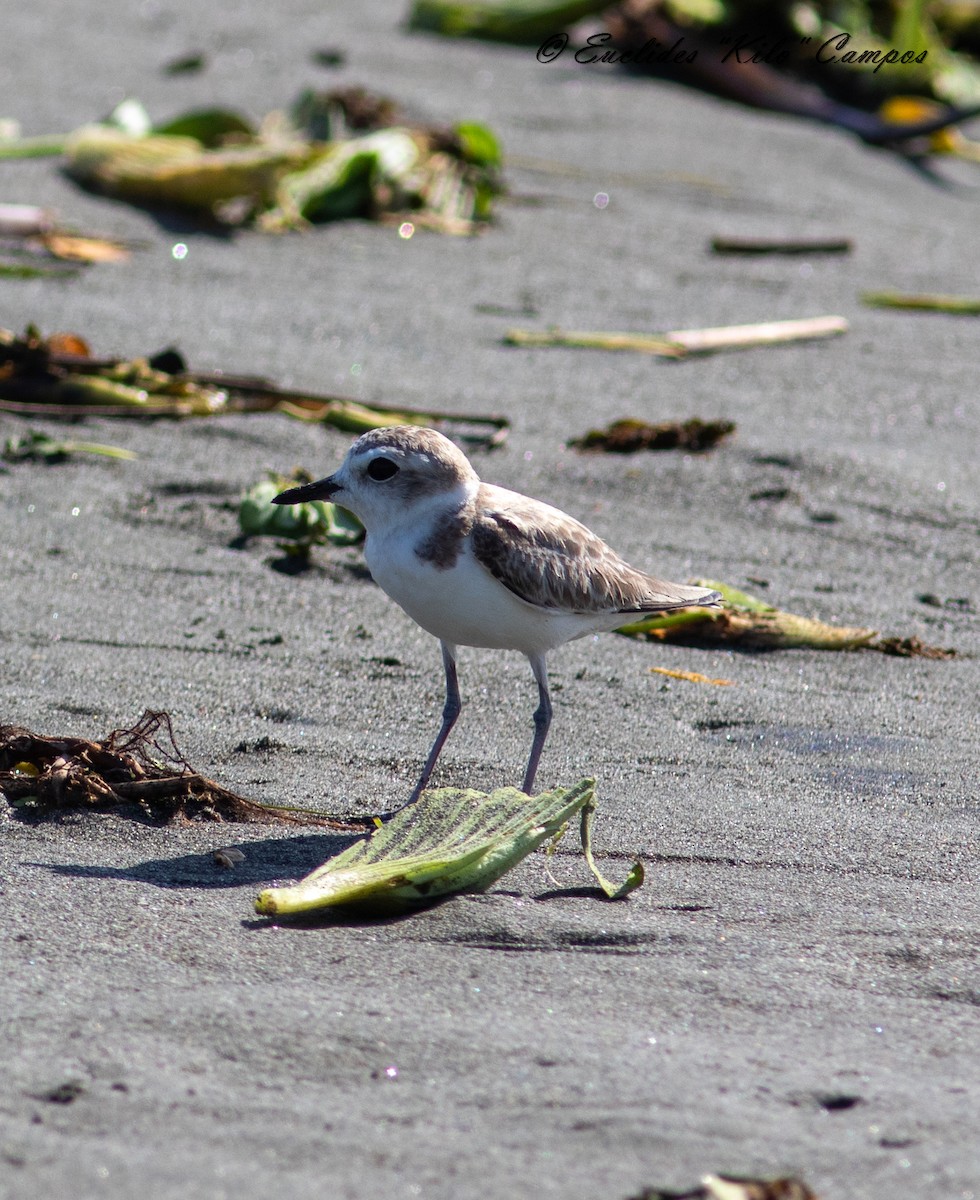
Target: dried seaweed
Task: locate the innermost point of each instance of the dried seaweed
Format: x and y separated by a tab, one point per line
137	771
628	435
910	647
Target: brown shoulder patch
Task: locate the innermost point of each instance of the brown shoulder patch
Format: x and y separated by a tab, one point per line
444	543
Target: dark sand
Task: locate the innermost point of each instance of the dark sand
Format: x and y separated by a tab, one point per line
796	988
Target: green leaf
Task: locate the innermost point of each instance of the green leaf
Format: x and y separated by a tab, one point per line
209	126
479	144
450	840
613	891
340	183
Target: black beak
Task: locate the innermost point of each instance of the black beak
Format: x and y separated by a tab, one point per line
323	489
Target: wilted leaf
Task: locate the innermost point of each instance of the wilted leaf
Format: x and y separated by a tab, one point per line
172	169
746	620
302	525
450	840
341	181
749	621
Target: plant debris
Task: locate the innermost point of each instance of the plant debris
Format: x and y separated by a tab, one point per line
739	245
748	621
692	677
137	771
449	840
730	1187
300	526
59	376
911	647
924	302
628	435
522	21
32	245
679	343
829	53
330	156
185	64
35	446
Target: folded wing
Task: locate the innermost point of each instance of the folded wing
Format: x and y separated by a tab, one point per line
553	561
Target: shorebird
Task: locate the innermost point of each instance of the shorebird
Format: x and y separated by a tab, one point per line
477	565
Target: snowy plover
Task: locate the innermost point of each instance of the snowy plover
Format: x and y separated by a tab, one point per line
476	565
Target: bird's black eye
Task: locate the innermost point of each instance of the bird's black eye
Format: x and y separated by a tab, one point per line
381	468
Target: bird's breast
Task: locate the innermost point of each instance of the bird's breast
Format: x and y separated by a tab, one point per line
462	603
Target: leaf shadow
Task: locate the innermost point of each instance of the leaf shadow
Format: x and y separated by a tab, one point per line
265	862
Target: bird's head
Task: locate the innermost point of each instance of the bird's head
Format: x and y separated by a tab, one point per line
390	474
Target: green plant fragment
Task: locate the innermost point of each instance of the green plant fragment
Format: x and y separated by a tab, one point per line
613	891
479	144
301	525
209	126
36	446
924	302
520	21
451	840
750	621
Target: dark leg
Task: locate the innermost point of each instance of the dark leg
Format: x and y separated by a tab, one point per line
542	721
450	712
